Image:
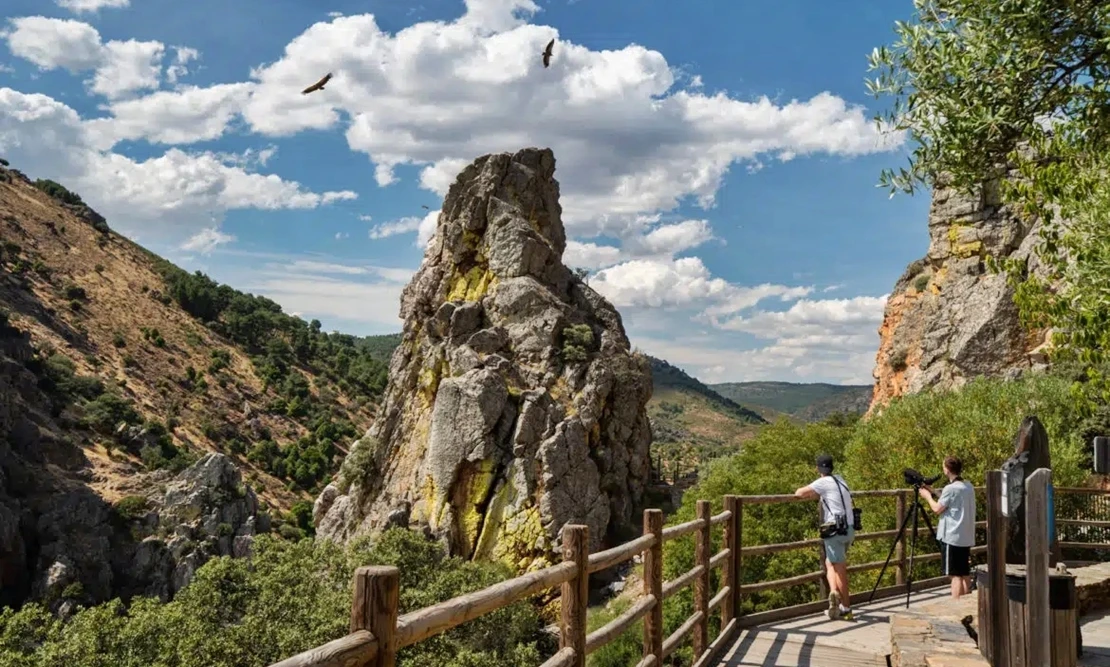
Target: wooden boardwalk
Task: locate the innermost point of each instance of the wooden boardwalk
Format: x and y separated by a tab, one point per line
815	641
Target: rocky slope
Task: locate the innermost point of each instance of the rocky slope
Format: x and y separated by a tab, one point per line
948	318
514	404
119	371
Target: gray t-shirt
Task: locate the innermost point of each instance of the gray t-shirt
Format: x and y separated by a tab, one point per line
957	521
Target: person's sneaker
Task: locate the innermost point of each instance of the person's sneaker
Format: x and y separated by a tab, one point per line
846	615
833	612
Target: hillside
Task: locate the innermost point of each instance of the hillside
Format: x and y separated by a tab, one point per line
153	366
806	402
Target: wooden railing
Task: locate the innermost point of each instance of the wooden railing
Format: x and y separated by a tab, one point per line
377	632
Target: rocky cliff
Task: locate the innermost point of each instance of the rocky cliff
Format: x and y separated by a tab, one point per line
63	543
514	405
948	318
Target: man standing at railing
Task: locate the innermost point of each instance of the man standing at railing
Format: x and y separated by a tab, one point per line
956	528
837	530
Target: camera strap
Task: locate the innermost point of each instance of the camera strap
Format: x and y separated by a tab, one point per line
839	486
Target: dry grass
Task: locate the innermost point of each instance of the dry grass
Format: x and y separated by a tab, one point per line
122	286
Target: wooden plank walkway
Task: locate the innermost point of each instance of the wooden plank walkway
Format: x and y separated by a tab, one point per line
815	641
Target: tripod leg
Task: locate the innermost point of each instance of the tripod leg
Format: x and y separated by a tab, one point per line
913	550
890	554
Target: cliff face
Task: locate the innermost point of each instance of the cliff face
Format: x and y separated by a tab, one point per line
948	318
514	405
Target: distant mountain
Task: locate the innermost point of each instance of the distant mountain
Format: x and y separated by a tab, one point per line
804	401
666	376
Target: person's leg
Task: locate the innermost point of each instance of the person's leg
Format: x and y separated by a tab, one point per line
841	570
833	554
956	586
966	584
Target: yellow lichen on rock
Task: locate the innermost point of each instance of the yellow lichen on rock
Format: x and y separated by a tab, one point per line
472	285
970	249
475	486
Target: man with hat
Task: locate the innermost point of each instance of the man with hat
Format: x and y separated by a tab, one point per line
836	507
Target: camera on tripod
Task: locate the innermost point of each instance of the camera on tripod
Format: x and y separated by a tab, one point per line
916	479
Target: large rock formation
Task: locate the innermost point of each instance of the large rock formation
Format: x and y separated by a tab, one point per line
514	405
949	318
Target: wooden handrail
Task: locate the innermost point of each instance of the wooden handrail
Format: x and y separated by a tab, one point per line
603	560
418	625
377	632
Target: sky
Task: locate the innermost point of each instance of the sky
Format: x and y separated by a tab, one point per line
717	160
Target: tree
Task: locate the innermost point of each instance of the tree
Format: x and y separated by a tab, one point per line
983	86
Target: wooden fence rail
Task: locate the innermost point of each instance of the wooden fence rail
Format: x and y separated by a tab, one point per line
378	632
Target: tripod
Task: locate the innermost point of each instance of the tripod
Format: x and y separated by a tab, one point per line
912	512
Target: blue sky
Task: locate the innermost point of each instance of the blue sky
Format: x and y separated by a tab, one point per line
717	175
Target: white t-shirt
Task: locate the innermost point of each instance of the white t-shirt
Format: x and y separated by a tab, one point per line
831	494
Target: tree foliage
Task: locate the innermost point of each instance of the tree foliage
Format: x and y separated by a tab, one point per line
288	597
984	86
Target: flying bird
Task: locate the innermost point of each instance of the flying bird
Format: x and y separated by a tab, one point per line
319	85
547	53
425	207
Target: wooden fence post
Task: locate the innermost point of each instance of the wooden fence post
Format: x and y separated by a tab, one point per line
576	592
701	584
1038	631
996	570
731	578
377	591
653	585
900	547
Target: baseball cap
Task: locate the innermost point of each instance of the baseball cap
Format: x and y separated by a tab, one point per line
825	463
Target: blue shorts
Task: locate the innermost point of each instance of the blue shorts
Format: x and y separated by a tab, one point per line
836	547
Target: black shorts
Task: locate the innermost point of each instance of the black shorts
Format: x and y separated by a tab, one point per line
955	561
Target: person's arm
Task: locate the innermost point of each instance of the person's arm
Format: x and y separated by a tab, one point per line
806	492
927	495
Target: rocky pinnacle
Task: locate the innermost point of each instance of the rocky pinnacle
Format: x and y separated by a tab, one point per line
514	404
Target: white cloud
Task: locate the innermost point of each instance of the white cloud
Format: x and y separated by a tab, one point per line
427	229
366	218
119	67
183	55
161	196
207	240
83	6
629	140
341	235
183	116
402	226
590	255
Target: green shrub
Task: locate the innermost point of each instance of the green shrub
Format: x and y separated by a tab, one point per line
921	282
75	292
74	591
108	410
58	191
897	360
578	341
118	340
132	507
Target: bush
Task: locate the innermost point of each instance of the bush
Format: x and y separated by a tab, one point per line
289	597
75	292
132	507
118	340
578	341
108	410
921	282
58	191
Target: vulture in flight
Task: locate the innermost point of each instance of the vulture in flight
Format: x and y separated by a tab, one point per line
425	207
547	53
319	85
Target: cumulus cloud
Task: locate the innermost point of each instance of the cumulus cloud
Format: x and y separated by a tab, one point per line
162	196
119	67
85	6
629	138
